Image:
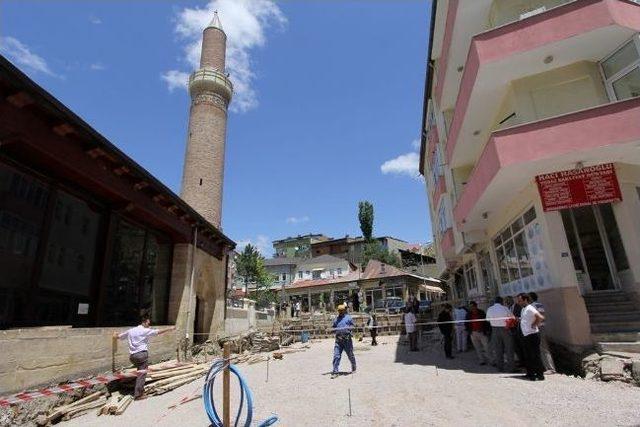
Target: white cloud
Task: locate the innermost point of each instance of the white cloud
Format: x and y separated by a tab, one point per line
404	164
19	53
95	20
245	23
297	220
97	66
415	144
175	79
261	242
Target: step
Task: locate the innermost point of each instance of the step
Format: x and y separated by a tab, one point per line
622	347
629	316
608	327
591	299
616	337
612	306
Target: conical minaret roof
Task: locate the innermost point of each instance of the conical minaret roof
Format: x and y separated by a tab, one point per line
215	22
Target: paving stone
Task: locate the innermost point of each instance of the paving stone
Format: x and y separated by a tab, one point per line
611	369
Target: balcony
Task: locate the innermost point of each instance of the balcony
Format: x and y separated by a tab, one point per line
585	30
507	11
512	158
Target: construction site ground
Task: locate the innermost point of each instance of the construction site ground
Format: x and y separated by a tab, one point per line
395	387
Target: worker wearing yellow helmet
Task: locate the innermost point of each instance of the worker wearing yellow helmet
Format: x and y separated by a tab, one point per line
343	325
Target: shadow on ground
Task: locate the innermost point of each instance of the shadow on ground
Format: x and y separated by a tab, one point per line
431	353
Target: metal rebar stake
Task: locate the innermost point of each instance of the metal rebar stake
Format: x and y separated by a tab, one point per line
349	401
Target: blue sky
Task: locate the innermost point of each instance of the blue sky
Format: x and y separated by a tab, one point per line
327	113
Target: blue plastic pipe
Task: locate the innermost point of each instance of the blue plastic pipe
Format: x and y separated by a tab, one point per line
245	394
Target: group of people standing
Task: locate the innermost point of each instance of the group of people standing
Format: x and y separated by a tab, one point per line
509	328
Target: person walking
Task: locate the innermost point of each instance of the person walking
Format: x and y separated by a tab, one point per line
138	340
478	327
445	325
545	353
343	326
501	339
530	320
410	327
298	308
460	315
372	324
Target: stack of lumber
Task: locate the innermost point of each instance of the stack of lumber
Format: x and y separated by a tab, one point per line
160	381
260	342
116	405
77	408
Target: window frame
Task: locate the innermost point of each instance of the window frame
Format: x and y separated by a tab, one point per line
609	81
511	238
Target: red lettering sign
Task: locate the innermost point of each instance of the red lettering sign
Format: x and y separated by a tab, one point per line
579	187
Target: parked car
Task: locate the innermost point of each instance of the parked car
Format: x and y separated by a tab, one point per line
390	305
425	306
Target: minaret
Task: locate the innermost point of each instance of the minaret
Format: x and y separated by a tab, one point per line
210	90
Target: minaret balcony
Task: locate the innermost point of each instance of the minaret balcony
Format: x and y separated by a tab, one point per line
210	80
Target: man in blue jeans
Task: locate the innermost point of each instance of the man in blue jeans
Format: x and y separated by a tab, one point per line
343	325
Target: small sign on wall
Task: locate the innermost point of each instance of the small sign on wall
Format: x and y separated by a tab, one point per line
579	187
83	308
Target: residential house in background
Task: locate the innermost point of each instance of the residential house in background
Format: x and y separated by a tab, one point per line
530	151
376	282
352	248
298	246
323	267
282	269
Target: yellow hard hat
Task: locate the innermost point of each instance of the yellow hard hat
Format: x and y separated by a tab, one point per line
342	307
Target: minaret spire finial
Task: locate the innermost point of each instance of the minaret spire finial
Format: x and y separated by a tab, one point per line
215	22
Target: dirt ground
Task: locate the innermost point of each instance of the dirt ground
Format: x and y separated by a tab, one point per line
394	387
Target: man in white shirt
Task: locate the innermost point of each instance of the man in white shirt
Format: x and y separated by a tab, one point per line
545	352
530	320
138	340
460	315
410	327
501	339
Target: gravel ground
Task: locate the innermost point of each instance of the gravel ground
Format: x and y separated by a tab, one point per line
396	388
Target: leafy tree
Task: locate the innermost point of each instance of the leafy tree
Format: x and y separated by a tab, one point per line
250	266
375	250
365	216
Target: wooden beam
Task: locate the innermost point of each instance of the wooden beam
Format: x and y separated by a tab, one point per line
94	153
121	170
63	129
140	185
20	99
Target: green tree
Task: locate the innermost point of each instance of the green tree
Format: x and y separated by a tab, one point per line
375	250
250	266
365	216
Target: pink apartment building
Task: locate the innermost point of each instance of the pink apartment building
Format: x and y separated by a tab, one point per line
531	155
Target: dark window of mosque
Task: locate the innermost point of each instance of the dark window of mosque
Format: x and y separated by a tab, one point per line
56	267
23	200
138	276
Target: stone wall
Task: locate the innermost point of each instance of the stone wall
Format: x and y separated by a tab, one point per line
36	357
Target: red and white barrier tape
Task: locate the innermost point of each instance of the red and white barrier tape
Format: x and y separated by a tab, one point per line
30	395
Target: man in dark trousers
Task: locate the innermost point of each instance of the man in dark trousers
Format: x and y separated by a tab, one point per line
446	329
138	340
343	325
530	320
478	328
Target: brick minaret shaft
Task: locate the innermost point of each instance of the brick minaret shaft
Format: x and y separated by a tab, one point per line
210	90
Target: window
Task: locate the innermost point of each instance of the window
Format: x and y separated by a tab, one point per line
284	277
469	271
307	273
436	166
317	274
339	271
621	71
332	272
299	274
443	218
512	251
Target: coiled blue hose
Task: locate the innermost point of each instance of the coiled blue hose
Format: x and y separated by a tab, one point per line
245	393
